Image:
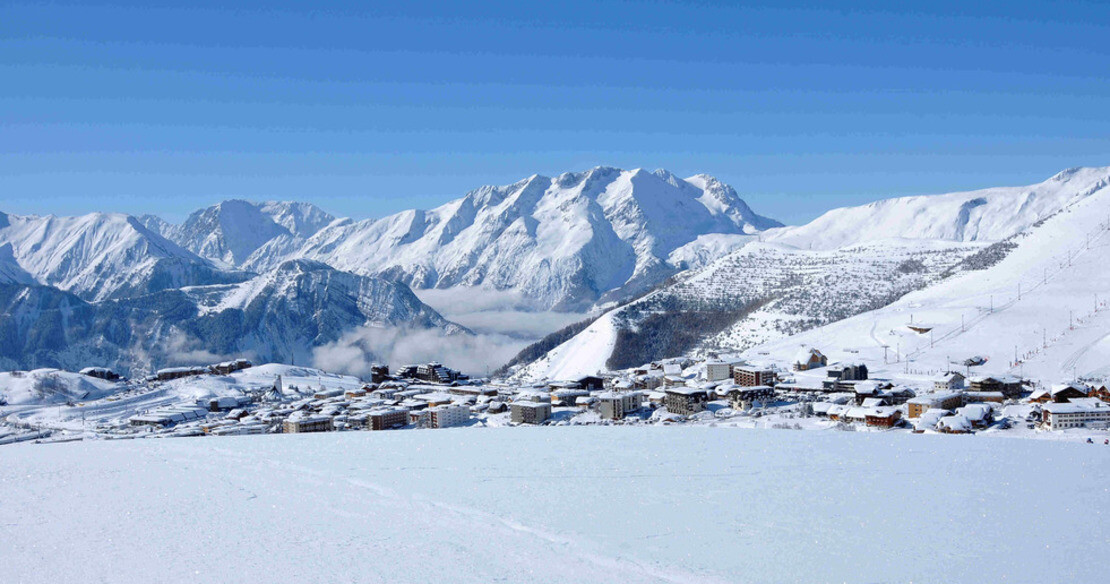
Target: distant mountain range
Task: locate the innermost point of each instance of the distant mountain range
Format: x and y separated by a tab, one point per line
276	279
565	242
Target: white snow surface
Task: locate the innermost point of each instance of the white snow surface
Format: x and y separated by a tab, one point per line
984	215
584	354
639	505
1058	328
51	386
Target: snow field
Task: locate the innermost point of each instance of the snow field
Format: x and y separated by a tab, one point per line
585	504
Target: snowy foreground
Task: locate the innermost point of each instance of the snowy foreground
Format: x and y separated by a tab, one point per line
550	504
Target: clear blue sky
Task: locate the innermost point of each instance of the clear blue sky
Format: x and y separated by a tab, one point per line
366	110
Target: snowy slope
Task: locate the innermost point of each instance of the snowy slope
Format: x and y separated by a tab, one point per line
584	354
246	234
1058	327
102	255
51	386
787	289
564	242
984	215
639	505
10	270
797	288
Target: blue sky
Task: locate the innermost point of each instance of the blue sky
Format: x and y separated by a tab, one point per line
369	109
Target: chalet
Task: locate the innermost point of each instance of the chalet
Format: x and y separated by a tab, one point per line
809	358
1060	393
303	424
945	401
837	412
686	401
864	390
950	381
1061	416
753	376
929	420
529	412
954	425
1066	392
882	416
1009	386
1101	393
100	373
743	398
821	408
980	415
616	405
898	395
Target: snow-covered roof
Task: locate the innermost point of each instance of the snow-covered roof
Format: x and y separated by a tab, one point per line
1061	387
955	423
1075	408
934	398
805	354
974	412
685	390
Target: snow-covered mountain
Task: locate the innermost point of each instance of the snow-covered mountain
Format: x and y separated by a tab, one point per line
1042	312
862	259
274	316
102	255
984	215
249	235
10	270
565	242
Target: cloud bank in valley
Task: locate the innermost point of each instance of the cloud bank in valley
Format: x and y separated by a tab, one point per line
499	312
357	350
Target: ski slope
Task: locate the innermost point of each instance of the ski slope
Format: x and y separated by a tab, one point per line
553	505
1043	312
584	354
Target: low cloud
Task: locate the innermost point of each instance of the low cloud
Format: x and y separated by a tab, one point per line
497	312
357	350
181	349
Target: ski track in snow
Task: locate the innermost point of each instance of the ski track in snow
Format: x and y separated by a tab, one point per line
649	504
